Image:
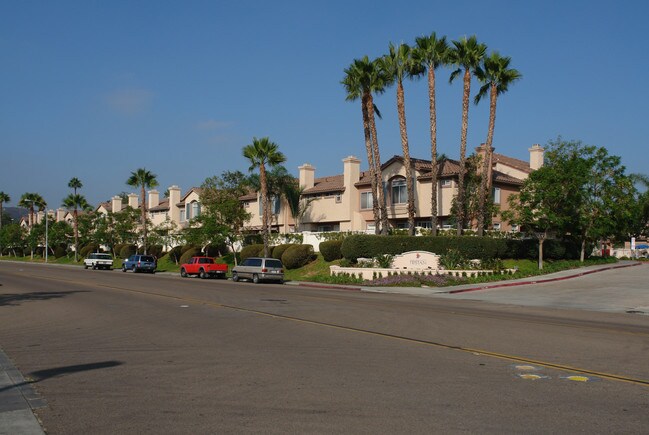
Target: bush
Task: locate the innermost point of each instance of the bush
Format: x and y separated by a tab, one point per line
251	251
252	239
155	250
88	249
59	252
127	251
330	250
215	250
188	254
186	248
279	250
175	253
297	256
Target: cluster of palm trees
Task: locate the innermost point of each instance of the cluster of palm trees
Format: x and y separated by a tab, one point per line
365	78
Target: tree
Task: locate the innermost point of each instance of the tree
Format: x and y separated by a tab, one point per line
29	200
74	202
496	77
466	55
432	52
641	223
261	153
359	84
396	66
224	215
12	238
3	198
143	179
75	184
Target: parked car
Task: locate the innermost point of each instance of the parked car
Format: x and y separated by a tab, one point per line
204	267
259	269
140	263
98	260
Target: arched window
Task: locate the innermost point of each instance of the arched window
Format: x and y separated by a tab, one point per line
399	191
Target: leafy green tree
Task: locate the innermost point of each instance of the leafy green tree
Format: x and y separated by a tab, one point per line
74	202
59	234
466	54
261	153
143	179
431	52
396	66
496	76
12	238
641	222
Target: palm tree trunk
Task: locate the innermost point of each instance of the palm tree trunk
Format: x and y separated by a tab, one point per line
264	208
76	235
370	161
465	127
485	181
377	167
433	148
142	195
401	109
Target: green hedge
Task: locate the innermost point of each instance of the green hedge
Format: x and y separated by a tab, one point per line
155	250
330	250
251	251
297	256
88	249
188	254
279	250
127	251
483	248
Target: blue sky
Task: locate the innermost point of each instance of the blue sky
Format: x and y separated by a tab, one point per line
97	89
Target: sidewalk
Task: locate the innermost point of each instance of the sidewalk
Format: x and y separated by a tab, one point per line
17	402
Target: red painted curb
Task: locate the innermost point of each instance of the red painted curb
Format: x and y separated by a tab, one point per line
540	281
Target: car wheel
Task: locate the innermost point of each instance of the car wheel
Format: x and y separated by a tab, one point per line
202	274
281	281
123	268
183	273
235	277
94	267
85	266
255	279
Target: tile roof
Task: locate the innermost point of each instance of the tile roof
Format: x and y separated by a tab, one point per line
333	183
250	196
162	206
521	165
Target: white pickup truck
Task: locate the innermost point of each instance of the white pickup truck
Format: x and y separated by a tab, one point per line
97	260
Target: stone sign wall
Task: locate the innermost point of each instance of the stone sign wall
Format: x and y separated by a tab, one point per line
416	260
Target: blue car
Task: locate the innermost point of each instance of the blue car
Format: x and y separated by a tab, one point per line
140	263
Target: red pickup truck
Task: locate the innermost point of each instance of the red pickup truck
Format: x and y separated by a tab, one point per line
204	267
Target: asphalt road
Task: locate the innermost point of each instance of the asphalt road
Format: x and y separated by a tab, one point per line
115	352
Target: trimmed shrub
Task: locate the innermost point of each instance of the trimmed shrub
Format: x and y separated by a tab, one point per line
59	252
253	239
155	250
215	250
279	250
330	250
188	254
175	253
88	249
127	251
251	251
186	248
297	256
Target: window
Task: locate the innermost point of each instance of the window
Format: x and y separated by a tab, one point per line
399	191
445	183
182	215
246	204
496	195
515	228
366	200
196	209
339	198
496	226
424	224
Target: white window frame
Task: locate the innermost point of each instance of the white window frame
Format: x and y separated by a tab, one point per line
399	189
496	195
369	200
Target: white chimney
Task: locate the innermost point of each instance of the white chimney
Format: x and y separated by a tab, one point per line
132	200
307	176
154	198
536	156
174	199
116	204
60	214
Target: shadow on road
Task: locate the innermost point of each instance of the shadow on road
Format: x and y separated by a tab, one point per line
14	299
41	375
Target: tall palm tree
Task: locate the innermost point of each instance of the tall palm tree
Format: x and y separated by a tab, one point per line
75	184
466	54
143	179
4	197
396	66
29	200
362	78
496	77
432	52
261	153
74	202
